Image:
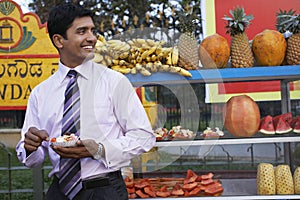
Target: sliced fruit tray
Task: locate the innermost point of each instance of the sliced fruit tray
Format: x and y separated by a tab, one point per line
229	136
191	185
283	125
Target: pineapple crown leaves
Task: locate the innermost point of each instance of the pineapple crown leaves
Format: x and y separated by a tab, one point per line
288	21
188	21
238	21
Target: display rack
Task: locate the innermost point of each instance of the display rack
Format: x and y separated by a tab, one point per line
284	74
265	139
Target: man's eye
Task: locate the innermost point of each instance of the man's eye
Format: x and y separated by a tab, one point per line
94	31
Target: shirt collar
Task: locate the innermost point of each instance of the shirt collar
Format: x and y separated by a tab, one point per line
81	69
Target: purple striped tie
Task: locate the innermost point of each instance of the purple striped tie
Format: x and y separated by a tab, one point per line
70	175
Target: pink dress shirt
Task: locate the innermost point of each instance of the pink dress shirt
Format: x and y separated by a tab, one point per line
111	113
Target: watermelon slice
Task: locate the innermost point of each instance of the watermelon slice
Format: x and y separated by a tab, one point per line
285	116
281	125
266	125
296	124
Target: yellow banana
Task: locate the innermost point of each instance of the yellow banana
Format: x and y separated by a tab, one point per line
149	66
158	50
124	48
180	71
140	41
157	64
148	59
108	60
133	70
138	66
175	55
130	42
169	59
164	68
139	59
153	58
115	61
124	55
123	63
99	44
149	52
145	72
98	58
150	42
121	69
115	44
101	38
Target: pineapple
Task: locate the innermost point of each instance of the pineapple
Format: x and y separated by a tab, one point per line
284	180
187	43
265	180
296	178
240	49
289	21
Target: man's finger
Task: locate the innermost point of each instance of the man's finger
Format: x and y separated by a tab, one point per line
42	134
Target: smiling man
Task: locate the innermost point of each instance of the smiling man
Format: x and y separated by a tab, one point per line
86	99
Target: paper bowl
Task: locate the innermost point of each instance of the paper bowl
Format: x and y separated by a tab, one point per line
71	143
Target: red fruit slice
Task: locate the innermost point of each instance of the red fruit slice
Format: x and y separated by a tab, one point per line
281	126
163	192
207	181
288	117
296	124
190	186
285	116
177	190
149	190
195	191
207	176
266	125
130	190
214	190
191	177
141	194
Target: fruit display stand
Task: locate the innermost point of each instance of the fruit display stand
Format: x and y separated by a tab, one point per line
233	188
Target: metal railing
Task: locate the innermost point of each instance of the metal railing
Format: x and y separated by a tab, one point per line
37	190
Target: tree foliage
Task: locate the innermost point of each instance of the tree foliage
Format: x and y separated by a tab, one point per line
113	17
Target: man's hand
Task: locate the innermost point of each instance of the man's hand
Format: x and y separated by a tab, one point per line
34	138
84	148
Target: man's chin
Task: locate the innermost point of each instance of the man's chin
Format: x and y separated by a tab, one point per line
89	56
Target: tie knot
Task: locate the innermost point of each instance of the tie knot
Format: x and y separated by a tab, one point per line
72	74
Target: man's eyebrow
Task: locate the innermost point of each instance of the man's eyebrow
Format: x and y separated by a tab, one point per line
81	28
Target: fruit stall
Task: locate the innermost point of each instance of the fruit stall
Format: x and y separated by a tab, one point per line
152	62
270	57
232	188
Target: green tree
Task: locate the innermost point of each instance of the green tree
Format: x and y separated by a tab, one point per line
113	17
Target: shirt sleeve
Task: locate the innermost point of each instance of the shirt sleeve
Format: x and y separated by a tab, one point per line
36	158
137	135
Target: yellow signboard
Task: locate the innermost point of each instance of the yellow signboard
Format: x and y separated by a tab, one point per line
27	55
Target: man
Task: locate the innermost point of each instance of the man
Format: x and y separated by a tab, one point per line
100	107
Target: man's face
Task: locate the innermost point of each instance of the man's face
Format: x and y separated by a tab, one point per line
80	43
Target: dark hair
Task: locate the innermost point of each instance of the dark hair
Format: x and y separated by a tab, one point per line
62	16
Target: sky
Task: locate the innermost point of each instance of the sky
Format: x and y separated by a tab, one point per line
23	4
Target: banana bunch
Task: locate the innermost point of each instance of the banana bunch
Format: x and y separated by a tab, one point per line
144	56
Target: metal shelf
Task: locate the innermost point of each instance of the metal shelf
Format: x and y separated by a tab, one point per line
281	197
237	189
267	139
219	75
233	188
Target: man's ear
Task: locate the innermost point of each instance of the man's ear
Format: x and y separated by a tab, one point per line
58	41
